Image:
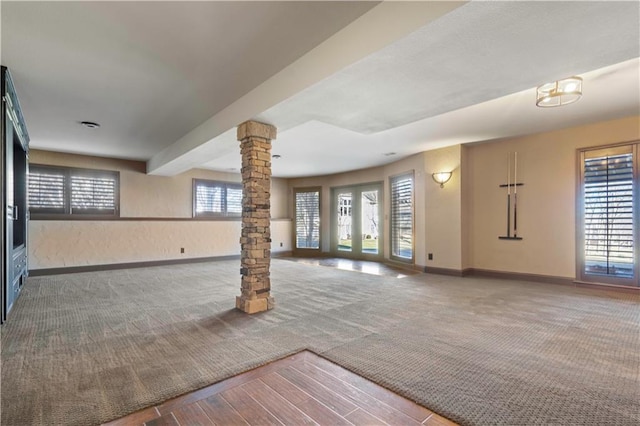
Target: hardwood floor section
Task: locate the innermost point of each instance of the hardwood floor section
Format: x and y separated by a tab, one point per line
303	389
364	266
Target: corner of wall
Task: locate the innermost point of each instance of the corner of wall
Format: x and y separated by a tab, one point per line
443	210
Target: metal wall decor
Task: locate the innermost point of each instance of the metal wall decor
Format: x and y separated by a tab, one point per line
512	201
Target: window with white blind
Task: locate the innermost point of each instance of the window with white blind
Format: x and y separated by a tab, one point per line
213	198
64	191
608	212
401	219
307	215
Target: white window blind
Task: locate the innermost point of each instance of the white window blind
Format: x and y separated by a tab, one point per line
608	188
234	200
92	194
212	198
307	219
47	190
69	191
402	217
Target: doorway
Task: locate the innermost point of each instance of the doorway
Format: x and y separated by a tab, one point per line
356	228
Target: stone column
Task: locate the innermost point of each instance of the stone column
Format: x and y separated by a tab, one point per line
255	146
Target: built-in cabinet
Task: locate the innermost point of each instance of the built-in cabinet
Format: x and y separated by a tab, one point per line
14	167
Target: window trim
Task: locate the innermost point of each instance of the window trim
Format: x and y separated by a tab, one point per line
68	214
303	251
410	174
581	276
214	183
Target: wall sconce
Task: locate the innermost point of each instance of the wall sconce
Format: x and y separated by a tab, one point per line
441	178
558	93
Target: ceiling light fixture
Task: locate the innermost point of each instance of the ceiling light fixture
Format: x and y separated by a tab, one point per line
90	124
441	177
559	93
276	156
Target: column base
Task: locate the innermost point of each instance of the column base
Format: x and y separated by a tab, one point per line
253	306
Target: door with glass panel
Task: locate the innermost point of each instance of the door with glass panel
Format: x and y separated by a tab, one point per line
356	227
307	221
608	212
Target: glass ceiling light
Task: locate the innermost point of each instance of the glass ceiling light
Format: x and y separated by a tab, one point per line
441	178
561	92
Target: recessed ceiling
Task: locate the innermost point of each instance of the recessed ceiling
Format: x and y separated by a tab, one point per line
467	77
478	52
151	72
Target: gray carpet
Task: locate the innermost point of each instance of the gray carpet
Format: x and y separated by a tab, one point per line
86	348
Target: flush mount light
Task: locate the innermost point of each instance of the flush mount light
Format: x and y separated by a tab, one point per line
441	178
559	93
90	124
276	156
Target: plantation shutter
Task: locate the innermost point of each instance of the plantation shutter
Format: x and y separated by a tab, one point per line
234	200
212	198
307	219
46	190
208	199
402	216
608	191
55	190
92	193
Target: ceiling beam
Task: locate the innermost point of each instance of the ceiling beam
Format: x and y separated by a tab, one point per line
382	25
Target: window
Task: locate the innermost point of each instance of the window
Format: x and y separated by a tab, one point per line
307	214
402	217
212	198
75	192
608	212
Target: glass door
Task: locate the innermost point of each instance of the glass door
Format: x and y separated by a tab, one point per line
345	221
370	221
356	228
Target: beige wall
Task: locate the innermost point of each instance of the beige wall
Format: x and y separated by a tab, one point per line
432	205
466	187
547	165
77	243
443	223
56	244
459	223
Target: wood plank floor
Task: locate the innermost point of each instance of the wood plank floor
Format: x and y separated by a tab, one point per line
303	389
364	266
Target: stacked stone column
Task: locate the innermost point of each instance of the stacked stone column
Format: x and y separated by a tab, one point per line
255	241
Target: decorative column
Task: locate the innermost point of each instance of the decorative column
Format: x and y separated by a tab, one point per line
255	147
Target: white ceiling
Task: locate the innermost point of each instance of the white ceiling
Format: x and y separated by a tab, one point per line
476	53
149	72
467	74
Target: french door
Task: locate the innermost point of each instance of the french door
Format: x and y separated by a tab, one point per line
356	221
